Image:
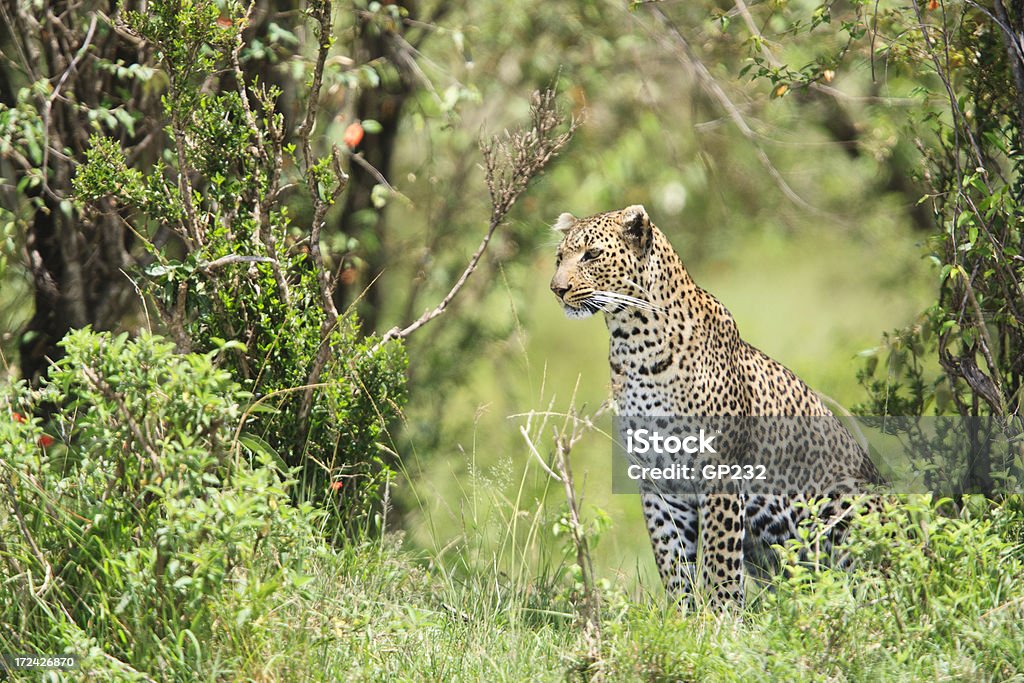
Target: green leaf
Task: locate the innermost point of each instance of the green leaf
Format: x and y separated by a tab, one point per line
263	409
262	449
372	126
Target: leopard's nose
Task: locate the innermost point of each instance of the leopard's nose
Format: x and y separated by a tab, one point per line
559	290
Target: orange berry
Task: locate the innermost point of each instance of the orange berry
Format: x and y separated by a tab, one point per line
353	135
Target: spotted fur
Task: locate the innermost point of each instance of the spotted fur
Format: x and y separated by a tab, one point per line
676	351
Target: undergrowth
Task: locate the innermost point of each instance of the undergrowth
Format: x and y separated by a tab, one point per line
140	533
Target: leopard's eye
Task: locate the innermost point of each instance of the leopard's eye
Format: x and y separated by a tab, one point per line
590	254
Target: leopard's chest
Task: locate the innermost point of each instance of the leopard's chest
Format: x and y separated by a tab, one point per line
646	377
657	375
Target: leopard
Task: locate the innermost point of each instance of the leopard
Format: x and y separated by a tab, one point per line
676	350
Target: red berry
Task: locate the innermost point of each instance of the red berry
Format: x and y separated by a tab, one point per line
353	135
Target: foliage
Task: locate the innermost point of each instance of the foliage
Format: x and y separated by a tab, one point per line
970	135
242	268
196	565
958	66
934	595
134	534
927	577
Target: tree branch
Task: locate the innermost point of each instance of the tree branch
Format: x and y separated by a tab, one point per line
322	14
511	161
712	88
1013	37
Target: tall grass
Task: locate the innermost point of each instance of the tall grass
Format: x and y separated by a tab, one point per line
197	566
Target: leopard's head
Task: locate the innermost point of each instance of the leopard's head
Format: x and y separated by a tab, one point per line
599	261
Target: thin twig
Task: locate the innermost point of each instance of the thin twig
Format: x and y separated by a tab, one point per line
232	259
108	392
191	234
372	170
590	610
322	14
536	454
402	333
958	115
1015	56
511	161
261	209
48	104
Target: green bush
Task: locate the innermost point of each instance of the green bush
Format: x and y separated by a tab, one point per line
934	590
241	267
135	528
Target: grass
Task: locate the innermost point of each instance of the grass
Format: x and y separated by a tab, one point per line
377	612
938	594
941	600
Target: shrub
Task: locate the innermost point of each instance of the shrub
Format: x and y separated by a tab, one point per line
133	527
934	590
227	260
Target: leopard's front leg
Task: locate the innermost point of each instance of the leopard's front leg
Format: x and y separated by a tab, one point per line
673	527
721	537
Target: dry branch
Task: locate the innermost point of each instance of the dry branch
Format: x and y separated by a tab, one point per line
565	437
590	609
511	161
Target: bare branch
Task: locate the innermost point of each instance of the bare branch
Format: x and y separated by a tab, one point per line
590	609
372	170
1015	56
511	161
232	259
960	120
523	429
48	104
323	199
321	11
261	209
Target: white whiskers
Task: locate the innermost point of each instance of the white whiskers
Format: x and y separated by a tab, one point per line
638	286
604	299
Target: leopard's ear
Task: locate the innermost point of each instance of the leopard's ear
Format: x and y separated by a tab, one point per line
564	223
636	227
